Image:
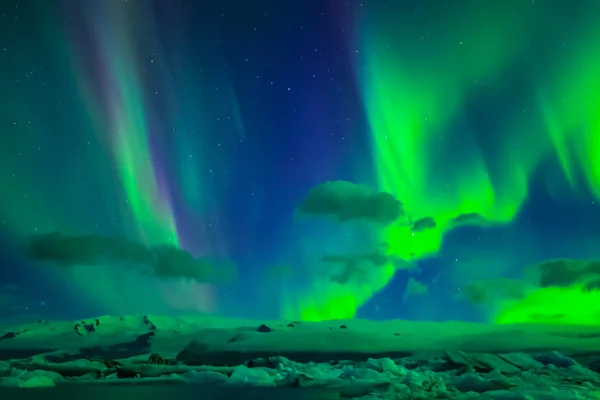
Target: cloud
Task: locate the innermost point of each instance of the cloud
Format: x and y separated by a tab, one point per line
415	288
163	261
568	272
486	291
354	267
469	219
347	201
69	250
423	224
567	292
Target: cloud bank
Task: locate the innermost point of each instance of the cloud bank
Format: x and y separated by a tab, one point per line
568	272
164	261
347	201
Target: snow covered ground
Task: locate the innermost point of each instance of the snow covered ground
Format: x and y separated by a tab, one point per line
350	359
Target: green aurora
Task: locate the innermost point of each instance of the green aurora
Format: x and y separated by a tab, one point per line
418	77
411	99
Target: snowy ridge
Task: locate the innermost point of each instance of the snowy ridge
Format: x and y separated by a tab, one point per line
354	358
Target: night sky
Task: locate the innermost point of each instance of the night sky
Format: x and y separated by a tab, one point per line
204	124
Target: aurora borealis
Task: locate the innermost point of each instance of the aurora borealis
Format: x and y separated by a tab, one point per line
204	127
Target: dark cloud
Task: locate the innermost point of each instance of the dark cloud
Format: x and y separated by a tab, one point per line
354	267
346	201
550	273
163	261
69	250
484	291
423	224
469	219
415	288
568	272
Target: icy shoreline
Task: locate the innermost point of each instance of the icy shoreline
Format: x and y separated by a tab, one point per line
349	359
